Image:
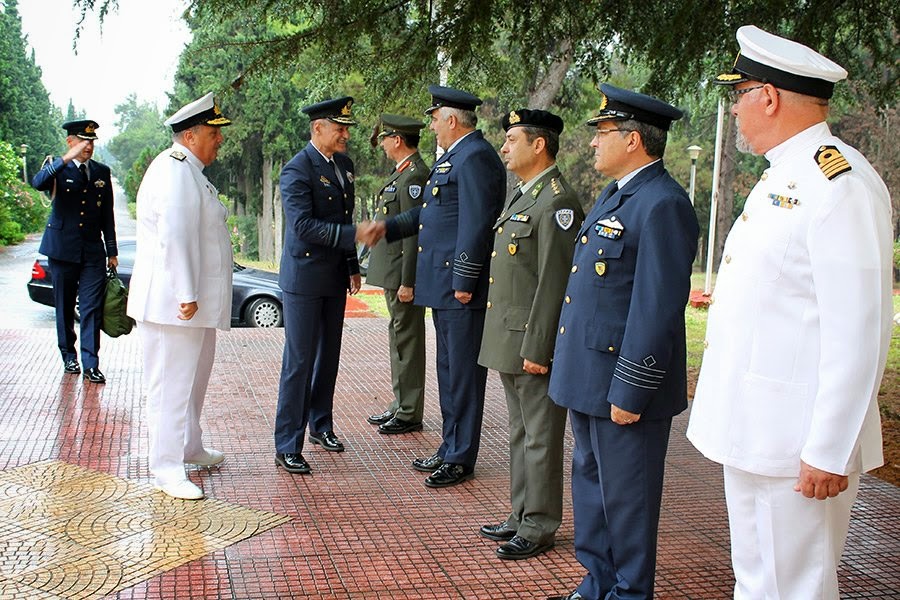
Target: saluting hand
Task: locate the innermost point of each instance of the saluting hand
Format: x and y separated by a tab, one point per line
75	151
187	310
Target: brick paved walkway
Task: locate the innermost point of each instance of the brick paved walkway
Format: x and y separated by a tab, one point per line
363	525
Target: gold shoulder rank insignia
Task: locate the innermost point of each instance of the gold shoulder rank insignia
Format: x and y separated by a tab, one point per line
178	155
831	161
554	183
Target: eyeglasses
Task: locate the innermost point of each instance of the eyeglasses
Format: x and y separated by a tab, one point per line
602	131
735	95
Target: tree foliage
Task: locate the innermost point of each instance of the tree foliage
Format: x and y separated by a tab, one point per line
141	130
26	114
21	210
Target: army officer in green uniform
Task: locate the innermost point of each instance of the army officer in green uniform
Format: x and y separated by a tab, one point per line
392	266
533	245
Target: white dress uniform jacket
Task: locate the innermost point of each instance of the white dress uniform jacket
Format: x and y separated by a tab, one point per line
800	323
184	249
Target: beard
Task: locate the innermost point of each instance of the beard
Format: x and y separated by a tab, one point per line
740	141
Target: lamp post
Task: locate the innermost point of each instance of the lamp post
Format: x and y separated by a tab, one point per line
694	153
24	150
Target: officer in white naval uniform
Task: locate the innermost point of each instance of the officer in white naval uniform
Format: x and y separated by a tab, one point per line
798	333
180	292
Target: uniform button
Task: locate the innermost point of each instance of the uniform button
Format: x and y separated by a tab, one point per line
744	216
83	202
612	348
490	280
500	230
512	235
346	212
489	305
428	182
706	343
600	252
526	325
424	204
493	254
574	268
420	248
81	224
421	226
727	259
82	213
307	253
381	197
562	329
568	299
584	239
446	263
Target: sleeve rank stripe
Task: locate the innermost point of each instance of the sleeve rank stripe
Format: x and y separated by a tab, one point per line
619	376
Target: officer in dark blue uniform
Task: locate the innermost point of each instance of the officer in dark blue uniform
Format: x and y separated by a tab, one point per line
318	268
80	243
619	364
463	197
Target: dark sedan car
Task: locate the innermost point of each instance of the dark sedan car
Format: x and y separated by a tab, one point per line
256	299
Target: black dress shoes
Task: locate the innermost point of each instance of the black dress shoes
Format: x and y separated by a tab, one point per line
449	474
428	465
94	375
396	425
327	440
72	366
498	533
380	419
573	596
292	463
519	548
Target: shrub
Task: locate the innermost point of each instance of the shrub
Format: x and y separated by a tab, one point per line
21	210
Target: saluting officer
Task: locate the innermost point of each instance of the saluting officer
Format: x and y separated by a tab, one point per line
533	244
392	266
318	268
620	360
463	197
80	243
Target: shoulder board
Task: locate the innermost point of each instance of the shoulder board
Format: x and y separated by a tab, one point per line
557	189
178	155
831	161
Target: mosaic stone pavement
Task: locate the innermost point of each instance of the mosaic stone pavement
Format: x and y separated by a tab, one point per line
69	532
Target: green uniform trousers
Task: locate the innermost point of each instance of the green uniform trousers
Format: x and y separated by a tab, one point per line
537	427
406	336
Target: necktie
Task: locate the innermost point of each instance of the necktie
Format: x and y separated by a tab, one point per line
515	198
83	168
337	172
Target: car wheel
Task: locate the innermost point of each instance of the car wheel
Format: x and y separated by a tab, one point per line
264	312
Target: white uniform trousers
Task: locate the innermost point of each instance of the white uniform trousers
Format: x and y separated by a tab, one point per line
785	546
177	365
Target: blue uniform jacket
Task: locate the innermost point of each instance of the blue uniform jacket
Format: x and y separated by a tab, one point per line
621	336
463	197
319	250
81	212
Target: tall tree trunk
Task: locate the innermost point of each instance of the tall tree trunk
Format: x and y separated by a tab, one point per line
725	197
546	85
278	216
266	223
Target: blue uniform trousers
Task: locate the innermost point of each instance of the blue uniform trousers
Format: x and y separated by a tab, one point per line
86	281
312	351
461	382
617	479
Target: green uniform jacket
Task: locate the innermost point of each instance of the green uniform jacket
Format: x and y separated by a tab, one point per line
394	264
533	246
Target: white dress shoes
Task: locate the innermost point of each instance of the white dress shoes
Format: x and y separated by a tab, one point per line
207	458
184	490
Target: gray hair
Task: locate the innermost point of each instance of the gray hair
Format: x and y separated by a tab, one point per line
467	118
653	138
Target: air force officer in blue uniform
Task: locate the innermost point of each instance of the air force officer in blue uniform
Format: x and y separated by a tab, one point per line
619	364
82	212
463	197
318	268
